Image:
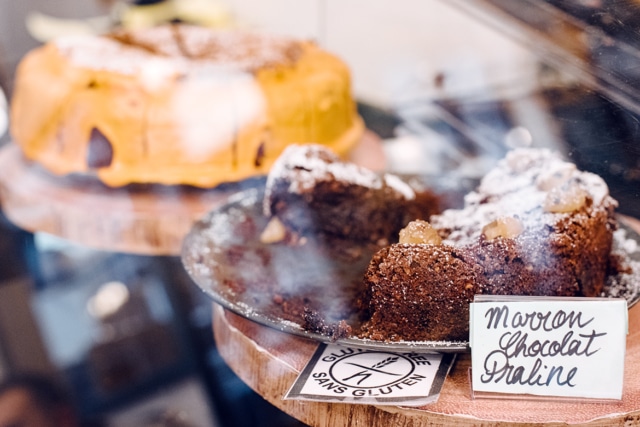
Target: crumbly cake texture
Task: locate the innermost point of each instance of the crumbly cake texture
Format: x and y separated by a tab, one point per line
534	226
404	305
178	104
311	191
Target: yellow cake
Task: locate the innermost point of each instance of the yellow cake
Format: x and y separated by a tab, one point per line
178	104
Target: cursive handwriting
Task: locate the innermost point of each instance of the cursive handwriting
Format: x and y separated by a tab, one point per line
506	364
497	368
535	320
515	344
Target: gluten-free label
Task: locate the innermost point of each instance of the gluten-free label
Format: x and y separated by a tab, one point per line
566	347
353	375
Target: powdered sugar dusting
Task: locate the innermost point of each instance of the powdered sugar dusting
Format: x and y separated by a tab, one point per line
518	187
304	166
625	284
399	185
101	53
247	50
184	48
541	168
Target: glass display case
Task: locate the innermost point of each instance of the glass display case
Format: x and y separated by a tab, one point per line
92	277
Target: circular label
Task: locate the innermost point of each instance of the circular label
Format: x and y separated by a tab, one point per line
371	370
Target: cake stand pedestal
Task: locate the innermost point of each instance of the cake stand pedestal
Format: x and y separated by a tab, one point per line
269	361
149	220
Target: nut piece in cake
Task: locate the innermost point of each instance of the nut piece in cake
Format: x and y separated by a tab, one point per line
419	232
504	226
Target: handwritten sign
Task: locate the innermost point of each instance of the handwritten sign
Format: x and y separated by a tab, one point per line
351	375
570	347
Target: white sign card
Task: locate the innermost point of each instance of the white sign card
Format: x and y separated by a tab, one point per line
353	375
564	347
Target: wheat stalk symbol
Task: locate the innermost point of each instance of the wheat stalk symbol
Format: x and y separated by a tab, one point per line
369	370
385	362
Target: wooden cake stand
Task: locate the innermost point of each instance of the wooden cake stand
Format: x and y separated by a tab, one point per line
150	220
269	361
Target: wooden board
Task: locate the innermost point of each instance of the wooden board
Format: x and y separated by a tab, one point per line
150	220
269	362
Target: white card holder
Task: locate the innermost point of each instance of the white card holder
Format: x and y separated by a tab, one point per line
548	347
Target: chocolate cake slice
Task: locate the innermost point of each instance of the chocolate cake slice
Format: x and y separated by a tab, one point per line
535	226
310	191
